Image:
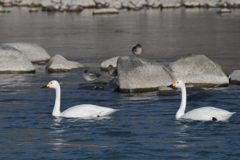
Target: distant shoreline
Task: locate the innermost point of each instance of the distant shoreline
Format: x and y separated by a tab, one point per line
78	6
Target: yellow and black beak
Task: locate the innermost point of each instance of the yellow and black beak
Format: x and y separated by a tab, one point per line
173	85
46	85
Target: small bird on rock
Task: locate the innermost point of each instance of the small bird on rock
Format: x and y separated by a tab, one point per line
137	50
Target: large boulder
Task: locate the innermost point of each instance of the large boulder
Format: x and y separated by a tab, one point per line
198	70
13	61
33	52
235	77
112	61
135	74
60	64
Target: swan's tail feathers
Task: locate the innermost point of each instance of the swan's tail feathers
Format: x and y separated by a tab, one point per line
232	113
229	115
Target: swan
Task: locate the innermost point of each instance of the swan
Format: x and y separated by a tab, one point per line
85	111
137	50
199	114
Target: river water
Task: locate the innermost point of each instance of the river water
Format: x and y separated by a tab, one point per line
145	127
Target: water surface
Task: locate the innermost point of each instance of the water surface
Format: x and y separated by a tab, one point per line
145	127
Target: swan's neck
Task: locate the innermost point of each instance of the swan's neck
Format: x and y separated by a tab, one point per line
182	107
56	110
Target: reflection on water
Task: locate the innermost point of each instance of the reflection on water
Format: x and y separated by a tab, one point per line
14	80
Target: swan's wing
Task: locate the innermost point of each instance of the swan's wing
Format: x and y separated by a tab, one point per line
87	111
208	114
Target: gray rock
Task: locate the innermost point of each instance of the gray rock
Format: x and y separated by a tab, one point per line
171	3
103	3
115	4
235	77
34	9
198	70
223	11
71	6
33	52
67	5
164	3
49	5
112	61
154	3
134	4
200	3
4	10
13	61
136	74
229	3
105	11
60	64
6	3
30	3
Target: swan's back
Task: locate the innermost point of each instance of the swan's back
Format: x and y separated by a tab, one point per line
208	114
87	111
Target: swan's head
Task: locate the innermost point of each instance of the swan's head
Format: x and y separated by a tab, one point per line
137	50
177	84
52	84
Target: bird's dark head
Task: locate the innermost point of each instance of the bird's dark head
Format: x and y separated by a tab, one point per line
137	49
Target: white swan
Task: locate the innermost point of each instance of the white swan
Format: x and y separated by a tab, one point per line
85	111
199	114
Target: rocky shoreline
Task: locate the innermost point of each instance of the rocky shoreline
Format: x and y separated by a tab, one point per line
79	5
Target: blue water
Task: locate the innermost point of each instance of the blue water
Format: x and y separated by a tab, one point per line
145	127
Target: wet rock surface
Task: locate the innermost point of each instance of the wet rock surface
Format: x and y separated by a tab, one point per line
235	77
198	70
136	74
13	61
60	64
34	52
